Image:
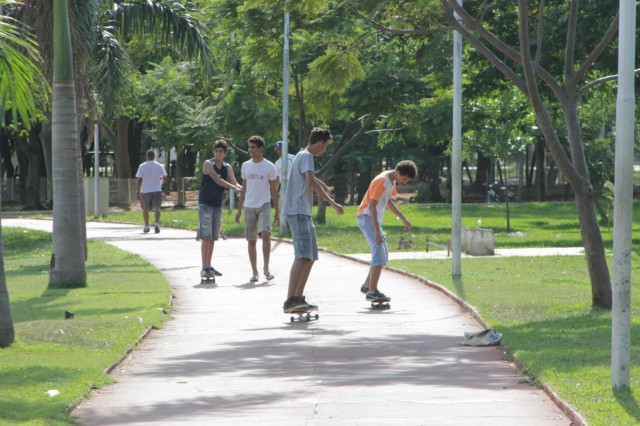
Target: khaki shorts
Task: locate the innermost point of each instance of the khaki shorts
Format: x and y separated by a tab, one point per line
149	200
257	221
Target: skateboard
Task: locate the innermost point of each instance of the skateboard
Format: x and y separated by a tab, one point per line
208	279
303	315
381	303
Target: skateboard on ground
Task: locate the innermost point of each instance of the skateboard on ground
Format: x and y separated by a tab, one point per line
303	315
381	303
208	279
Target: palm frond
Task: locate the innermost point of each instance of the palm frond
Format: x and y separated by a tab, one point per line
21	81
170	20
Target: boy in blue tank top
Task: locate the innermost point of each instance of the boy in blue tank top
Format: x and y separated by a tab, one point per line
216	177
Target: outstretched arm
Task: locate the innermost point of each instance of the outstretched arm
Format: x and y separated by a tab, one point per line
392	206
322	190
207	169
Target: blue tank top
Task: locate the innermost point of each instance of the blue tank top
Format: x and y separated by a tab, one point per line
211	193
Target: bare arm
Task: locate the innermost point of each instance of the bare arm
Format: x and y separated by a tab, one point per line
373	204
274	197
207	169
241	200
392	206
319	188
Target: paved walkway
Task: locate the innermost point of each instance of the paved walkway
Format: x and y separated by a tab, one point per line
230	356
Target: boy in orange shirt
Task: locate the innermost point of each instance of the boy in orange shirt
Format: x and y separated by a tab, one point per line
370	214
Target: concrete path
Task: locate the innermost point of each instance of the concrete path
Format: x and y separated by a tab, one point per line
231	357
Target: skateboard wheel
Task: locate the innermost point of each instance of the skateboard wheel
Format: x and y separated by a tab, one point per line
317	316
292	319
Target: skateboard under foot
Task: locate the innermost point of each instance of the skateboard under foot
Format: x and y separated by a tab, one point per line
303	315
381	304
209	279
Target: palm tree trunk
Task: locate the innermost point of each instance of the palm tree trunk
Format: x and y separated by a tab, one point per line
7	333
67	267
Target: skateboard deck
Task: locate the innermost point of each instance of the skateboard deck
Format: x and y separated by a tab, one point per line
303	315
209	279
381	304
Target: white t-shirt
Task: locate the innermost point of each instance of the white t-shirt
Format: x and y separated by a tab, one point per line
258	177
151	172
278	165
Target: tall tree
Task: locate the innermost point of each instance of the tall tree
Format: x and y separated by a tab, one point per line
522	64
503	36
67	266
19	75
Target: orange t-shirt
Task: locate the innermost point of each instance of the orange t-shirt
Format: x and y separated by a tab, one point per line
380	190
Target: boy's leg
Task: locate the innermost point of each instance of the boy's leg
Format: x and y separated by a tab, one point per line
206	250
145	216
264	231
373	277
298	276
253	257
251	233
266	251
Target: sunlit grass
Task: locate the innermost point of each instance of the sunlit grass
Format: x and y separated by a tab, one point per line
123	298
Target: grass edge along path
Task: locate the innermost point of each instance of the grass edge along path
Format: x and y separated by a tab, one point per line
124	298
542	305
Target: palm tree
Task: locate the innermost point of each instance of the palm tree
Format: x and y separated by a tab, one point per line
100	64
67	267
19	78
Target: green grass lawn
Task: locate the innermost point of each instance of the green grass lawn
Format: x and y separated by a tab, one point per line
124	297
536	224
543	307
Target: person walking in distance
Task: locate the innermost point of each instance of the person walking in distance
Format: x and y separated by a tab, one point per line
151	178
370	213
297	208
258	191
278	163
216	177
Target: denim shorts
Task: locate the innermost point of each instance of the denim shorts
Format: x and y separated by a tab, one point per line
303	231
379	252
210	219
257	221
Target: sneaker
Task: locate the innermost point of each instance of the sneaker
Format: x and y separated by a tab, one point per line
156	227
310	306
364	289
292	304
377	295
205	273
215	272
146	229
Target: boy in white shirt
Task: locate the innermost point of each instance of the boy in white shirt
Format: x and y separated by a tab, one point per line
151	176
258	191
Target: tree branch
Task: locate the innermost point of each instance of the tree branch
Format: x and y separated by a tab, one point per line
597	51
383	28
343	149
598	82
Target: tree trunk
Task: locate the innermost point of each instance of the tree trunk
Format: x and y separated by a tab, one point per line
594	250
540	173
7	333
180	165
45	139
482	172
123	165
321	218
29	149
67	266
